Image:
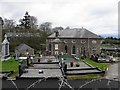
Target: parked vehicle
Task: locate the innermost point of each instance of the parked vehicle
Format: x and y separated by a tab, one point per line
100	59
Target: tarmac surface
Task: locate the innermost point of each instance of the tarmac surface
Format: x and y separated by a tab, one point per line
36	84
113	72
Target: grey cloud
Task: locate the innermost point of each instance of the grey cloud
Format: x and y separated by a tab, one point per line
91	14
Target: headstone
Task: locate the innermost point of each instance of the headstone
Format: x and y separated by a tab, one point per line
5	49
28	59
21	67
65	68
15	56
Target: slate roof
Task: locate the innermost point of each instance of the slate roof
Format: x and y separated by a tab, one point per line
75	33
23	47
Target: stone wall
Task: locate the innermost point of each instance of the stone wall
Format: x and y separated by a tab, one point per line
82	45
0	33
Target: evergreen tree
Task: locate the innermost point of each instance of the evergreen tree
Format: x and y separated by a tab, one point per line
25	22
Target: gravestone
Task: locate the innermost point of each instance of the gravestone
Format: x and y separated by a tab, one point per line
22	67
5	49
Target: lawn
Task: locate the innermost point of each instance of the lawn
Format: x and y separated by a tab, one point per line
88	76
106	45
101	66
10	65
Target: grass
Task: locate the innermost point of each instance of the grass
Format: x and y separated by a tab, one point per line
88	76
101	66
106	45
10	65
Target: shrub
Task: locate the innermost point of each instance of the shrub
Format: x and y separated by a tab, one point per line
49	60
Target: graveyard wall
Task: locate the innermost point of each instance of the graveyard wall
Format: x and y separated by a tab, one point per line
0	48
0	34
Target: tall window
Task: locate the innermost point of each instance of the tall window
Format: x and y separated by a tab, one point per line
65	48
83	50
94	41
73	50
6	49
49	47
56	46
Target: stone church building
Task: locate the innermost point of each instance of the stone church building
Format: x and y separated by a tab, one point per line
76	42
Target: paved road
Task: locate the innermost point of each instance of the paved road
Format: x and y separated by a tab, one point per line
54	83
113	72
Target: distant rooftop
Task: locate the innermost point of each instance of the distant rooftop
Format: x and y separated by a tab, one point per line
75	33
22	47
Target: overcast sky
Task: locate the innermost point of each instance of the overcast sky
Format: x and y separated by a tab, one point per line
98	16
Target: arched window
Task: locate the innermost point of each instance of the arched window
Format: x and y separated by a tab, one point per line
83	50
73	50
66	49
6	49
73	41
56	46
49	47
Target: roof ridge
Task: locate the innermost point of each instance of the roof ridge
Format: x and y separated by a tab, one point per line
23	44
76	33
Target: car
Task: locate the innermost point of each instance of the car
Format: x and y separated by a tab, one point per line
100	59
116	59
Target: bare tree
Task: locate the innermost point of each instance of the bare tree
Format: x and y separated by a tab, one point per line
9	24
67	27
46	27
57	28
33	22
